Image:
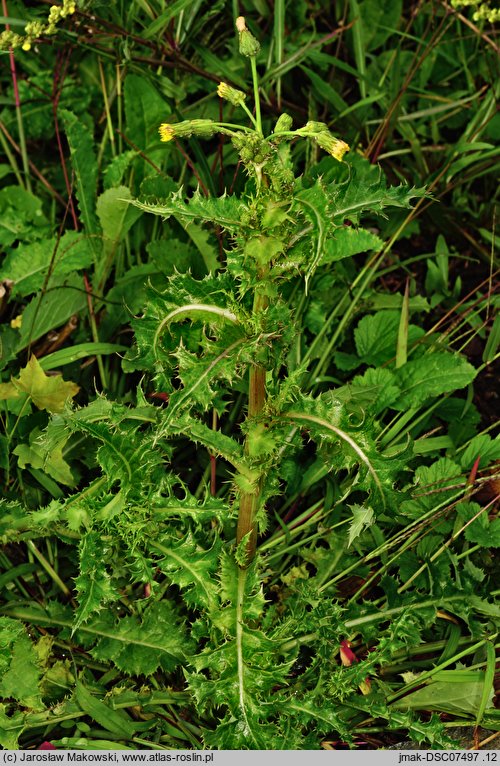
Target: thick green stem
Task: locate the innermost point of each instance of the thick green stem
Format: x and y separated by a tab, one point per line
250	501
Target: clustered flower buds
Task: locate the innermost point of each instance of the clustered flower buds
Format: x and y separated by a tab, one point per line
233	95
249	46
36	29
483	12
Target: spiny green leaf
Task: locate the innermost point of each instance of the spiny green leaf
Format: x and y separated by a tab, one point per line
192	568
361	519
225	211
93	584
19	668
141	646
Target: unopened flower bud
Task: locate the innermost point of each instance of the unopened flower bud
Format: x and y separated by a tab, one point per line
234	96
332	145
312	127
284	123
249	46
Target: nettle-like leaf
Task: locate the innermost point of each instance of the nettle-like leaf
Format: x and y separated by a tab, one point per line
431	375
479	528
434	486
93	584
483	447
225	211
375	390
28	264
376	336
140	646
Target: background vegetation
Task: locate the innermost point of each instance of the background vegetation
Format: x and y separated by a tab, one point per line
362	625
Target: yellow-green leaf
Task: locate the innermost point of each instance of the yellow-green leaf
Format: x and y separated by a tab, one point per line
47	392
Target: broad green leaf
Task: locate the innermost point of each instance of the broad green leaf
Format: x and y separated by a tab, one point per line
454	692
115	213
434	485
64	299
113	175
27	266
21	216
481	531
116	217
432	375
378	21
376	337
145	109
482	446
376	388
47	393
115	721
84	163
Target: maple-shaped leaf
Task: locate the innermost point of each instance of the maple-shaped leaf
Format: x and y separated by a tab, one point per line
47	392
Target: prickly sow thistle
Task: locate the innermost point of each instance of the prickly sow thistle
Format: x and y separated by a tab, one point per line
261	260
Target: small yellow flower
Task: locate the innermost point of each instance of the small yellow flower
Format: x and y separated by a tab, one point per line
332	145
167	132
235	96
26	46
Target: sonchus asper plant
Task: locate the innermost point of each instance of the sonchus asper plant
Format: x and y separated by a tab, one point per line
207	344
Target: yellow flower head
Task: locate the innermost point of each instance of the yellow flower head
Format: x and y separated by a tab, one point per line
332	145
167	132
233	95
